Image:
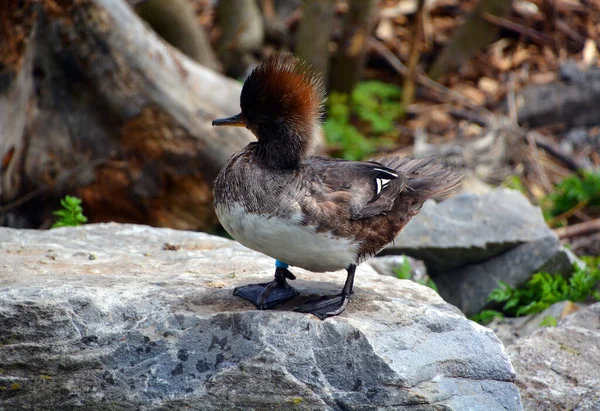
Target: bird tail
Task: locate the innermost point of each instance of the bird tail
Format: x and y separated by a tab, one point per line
424	179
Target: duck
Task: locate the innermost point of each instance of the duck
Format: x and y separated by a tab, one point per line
318	213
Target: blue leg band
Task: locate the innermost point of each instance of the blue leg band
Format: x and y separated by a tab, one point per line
280	264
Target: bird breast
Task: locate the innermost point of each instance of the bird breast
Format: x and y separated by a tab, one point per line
288	239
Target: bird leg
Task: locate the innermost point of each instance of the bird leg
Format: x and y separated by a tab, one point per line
267	295
330	305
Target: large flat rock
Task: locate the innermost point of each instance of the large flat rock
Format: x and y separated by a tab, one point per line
124	317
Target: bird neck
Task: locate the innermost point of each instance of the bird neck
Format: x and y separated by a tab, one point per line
282	146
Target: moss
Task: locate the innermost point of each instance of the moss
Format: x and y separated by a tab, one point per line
297	400
46	377
569	349
15	386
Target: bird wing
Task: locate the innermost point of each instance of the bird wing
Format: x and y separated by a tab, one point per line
363	188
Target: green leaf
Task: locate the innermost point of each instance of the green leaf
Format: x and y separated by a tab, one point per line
486	316
572	191
544	289
403	270
71	213
373	106
549	321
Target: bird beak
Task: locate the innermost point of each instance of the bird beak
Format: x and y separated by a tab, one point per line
235	121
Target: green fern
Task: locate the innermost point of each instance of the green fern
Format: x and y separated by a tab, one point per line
376	105
544	289
515	183
71	214
403	273
486	316
403	270
571	192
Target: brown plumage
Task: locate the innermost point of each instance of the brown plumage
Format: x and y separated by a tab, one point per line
318	213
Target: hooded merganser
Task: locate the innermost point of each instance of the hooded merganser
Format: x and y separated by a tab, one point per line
317	213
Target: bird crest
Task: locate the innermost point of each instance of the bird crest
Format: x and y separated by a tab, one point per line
284	89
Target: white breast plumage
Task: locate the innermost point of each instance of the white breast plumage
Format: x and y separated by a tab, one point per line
287	240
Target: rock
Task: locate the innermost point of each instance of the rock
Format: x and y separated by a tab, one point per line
385	265
473	184
558	368
470	228
468	287
123	317
510	329
471	242
572	101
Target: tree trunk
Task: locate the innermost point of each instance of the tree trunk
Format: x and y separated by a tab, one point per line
350	58
473	35
92	103
242	32
174	21
312	43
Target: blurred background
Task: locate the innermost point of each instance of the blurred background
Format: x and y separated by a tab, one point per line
110	101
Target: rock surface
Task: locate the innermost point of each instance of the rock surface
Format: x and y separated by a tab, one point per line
123	317
470	228
558	368
510	329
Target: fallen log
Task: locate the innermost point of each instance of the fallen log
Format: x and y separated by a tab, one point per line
95	104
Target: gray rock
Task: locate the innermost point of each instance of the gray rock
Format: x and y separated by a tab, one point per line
510	329
470	228
111	317
385	265
468	287
558	368
472	241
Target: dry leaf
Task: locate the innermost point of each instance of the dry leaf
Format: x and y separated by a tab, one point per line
589	53
385	30
489	85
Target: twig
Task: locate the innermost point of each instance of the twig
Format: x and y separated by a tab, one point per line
581	229
510	25
511	101
542	142
541	172
569	32
578	207
413	58
470	116
512	113
447	95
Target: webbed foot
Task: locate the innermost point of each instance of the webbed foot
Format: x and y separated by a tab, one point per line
266	296
326	306
330	305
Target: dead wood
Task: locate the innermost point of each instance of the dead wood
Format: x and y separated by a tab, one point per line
242	33
175	21
313	38
92	103
473	35
350	58
581	229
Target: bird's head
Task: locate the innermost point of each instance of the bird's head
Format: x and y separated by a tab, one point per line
282	102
